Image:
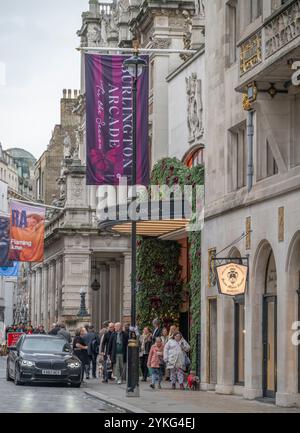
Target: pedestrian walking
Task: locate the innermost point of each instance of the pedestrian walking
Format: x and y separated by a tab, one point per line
54	330
104	329
117	350
30	330
92	340
145	346
64	333
175	357
156	330
164	336
40	330
81	351
156	363
104	353
173	330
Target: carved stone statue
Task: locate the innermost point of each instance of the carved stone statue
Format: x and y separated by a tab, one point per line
104	25
77	145
94	35
199	8
67	146
195	107
187	36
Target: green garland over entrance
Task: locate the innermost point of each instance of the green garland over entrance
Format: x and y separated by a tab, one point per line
158	270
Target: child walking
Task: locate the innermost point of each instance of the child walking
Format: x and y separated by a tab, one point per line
155	362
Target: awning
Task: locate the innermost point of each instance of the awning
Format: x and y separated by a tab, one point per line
149	225
148	228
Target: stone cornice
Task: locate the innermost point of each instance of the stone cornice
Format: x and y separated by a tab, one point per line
151	8
263	191
184	65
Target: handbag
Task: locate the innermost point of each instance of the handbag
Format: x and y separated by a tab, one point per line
187	361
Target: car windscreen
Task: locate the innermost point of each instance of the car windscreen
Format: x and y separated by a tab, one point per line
45	345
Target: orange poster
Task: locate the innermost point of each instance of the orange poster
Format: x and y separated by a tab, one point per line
27	231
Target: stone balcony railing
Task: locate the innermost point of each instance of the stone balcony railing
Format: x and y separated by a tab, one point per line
277	32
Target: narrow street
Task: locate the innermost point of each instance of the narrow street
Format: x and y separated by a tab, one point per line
46	399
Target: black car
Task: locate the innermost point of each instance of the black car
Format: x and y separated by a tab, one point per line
43	358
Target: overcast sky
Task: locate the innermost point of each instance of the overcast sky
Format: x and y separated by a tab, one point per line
37	51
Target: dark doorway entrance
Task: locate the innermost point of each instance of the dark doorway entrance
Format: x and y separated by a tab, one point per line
184	325
270	330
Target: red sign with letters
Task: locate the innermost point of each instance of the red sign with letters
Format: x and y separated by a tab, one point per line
13	338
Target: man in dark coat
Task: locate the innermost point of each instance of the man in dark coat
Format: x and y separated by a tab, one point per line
92	341
55	329
104	351
156	331
117	350
64	333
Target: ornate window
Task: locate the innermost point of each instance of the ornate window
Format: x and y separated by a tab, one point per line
194	158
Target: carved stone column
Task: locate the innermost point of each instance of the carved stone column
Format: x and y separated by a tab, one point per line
45	300
39	295
120	311
58	288
32	291
112	290
118	297
127	288
104	295
52	292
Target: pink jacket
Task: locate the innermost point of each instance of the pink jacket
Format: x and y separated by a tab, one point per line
154	359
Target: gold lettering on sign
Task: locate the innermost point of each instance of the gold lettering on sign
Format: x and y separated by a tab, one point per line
248	233
281	224
251	53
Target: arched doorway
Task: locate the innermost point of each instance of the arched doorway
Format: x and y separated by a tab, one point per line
239	328
270	329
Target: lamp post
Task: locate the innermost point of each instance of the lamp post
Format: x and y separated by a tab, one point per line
83	311
134	66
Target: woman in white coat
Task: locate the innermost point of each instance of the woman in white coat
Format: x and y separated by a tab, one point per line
175	355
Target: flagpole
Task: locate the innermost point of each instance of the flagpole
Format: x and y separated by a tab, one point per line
141	50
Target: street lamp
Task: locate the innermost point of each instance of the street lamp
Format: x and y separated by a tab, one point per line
83	311
134	66
96	286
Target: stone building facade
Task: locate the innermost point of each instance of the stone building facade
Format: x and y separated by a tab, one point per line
252	198
77	252
48	168
16	181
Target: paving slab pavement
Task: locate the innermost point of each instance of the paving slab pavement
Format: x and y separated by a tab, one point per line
169	401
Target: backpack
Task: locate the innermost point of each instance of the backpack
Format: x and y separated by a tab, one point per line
95	346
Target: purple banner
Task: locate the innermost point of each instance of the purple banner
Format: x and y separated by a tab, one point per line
109	121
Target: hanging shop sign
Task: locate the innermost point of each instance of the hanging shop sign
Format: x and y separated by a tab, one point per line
232	279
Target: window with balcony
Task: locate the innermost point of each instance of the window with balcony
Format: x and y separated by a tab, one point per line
237	157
